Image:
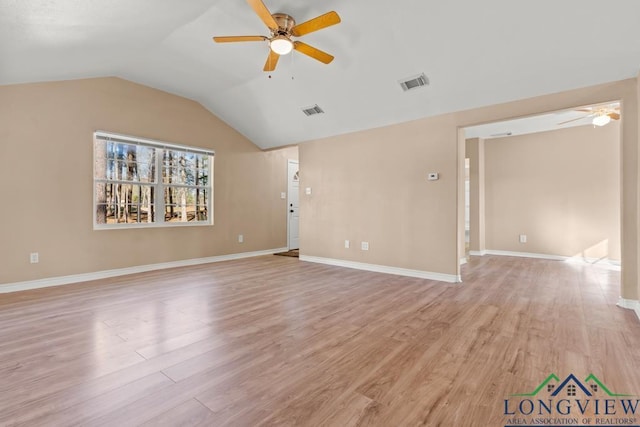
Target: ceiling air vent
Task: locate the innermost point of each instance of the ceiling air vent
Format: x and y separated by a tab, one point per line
311	111
498	135
414	82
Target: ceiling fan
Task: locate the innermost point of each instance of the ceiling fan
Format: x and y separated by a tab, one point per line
283	27
601	115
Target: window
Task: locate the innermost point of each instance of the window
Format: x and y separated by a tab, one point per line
571	390
550	387
594	388
144	183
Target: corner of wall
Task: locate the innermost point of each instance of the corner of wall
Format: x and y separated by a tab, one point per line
638	189
630	305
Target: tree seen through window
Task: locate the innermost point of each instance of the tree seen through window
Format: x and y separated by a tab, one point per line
142	183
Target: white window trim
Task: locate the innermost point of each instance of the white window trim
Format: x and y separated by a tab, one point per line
160	205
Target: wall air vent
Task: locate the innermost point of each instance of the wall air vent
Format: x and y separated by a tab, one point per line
312	111
414	82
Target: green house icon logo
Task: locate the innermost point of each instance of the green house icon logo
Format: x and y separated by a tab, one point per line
571	386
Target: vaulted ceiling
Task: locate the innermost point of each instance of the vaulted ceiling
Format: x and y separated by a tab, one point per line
474	54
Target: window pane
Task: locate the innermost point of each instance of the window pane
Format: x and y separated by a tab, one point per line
100	159
124	214
124	203
185	168
202	213
124	162
203	177
171	175
186	204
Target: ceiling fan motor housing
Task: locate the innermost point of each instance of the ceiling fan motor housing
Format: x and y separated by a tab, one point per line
285	24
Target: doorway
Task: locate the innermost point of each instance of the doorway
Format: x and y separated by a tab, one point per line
293	205
533	191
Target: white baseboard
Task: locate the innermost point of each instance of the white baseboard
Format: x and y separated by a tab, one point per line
383	269
525	255
630	304
577	259
477	253
85	277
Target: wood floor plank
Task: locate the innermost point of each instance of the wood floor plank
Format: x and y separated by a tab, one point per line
83	412
276	341
188	414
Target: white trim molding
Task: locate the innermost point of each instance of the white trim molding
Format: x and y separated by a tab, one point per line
383	269
478	253
630	304
525	255
85	277
463	260
579	259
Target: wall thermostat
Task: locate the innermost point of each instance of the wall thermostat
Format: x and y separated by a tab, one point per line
434	176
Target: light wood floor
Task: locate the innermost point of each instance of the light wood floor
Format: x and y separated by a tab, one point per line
276	341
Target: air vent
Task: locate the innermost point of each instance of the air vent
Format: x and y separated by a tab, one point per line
312	111
414	82
498	135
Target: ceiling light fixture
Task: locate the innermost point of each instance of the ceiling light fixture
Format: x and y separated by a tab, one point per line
601	120
281	45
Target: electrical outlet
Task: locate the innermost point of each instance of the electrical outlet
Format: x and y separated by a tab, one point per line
523	238
283	195
364	246
34	258
240	238
347	244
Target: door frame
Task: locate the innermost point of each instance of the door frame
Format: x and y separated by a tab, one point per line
289	178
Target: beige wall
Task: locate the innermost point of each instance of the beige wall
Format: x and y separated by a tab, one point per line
561	188
475	153
46	176
371	185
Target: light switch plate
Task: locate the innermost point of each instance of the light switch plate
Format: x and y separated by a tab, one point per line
283	195
307	191
433	176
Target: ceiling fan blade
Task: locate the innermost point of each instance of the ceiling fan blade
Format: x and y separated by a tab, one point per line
311	51
231	39
272	61
573	120
315	24
614	116
261	10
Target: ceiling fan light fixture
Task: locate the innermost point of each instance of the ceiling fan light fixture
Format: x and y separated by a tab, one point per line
281	45
601	120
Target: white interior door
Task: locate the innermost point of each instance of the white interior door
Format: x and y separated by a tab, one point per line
293	205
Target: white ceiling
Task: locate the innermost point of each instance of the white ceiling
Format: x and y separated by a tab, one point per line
474	53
